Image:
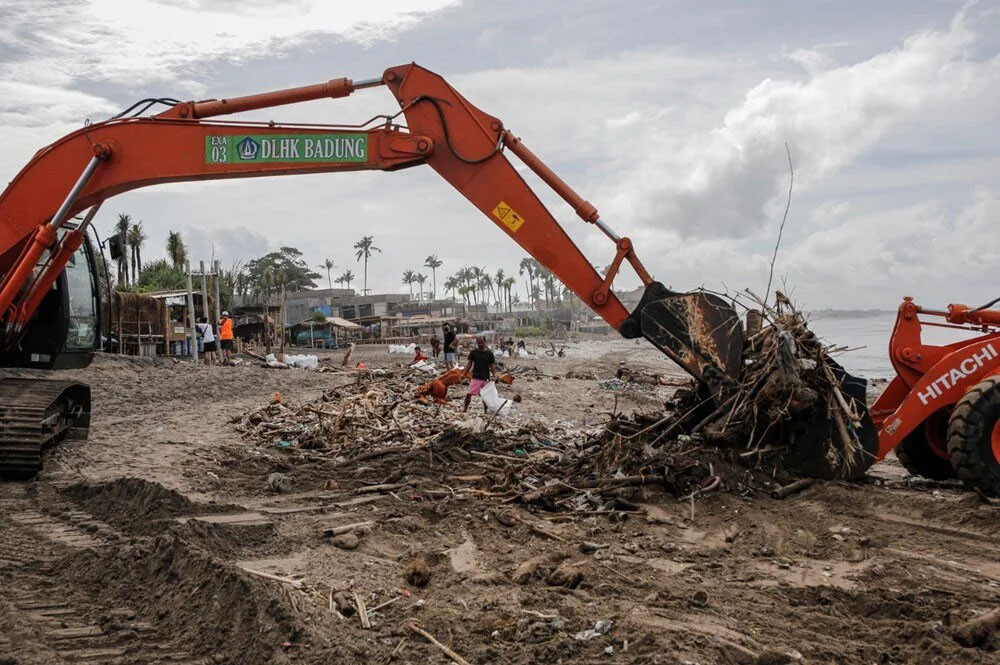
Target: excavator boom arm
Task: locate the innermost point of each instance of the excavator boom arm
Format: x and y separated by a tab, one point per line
466	146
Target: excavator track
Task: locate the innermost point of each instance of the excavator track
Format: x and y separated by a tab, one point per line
36	414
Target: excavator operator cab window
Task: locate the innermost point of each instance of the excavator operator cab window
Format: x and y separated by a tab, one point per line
81	290
65	329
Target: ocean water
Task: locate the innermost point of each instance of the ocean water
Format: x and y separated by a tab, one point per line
872	335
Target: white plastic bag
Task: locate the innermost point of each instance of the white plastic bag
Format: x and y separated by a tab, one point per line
400	348
494	403
305	361
425	366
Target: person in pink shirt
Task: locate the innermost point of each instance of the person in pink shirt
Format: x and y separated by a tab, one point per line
482	362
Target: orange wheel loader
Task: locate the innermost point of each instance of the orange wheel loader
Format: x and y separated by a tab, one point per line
941	413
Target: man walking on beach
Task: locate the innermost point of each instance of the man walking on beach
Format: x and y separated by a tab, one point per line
482	362
450	347
226	336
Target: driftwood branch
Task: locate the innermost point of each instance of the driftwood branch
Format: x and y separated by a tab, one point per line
446	649
781	228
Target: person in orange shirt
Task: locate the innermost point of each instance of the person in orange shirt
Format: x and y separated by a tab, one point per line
226	336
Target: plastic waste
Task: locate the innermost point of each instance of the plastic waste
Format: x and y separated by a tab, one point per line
494	403
306	361
401	348
425	366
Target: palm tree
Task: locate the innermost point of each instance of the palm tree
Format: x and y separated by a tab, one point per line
329	265
466	278
508	284
420	278
451	284
365	248
176	249
121	228
527	265
498	280
346	278
551	292
136	238
433	262
409	277
485	285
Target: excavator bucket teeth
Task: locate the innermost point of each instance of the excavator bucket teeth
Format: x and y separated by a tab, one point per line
817	450
699	331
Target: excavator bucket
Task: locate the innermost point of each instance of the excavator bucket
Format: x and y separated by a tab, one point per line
702	333
699	331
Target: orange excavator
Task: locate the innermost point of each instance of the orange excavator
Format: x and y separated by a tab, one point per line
49	300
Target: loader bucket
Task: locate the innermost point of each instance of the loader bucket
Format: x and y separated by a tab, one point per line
699	331
817	450
702	333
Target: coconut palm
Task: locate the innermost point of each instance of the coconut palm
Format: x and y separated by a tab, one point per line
527	267
466	278
498	278
121	228
451	284
409	277
420	278
433	262
176	249
364	248
329	265
136	238
508	284
346	278
485	285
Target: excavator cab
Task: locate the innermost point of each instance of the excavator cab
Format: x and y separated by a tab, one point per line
62	334
66	328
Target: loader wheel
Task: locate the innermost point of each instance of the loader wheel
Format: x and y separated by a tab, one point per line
974	437
917	451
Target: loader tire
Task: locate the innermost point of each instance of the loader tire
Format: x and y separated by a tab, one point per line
916	456
974	437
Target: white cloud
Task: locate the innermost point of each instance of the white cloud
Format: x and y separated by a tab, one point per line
932	253
731	180
148	40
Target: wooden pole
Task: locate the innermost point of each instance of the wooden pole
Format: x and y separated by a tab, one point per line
121	344
218	306
267	324
281	317
190	312
204	289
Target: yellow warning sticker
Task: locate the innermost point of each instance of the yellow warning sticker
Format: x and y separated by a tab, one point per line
508	217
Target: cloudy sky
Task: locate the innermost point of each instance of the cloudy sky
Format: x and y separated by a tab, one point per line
671	117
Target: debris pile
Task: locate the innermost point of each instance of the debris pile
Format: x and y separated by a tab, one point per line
793	410
377	434
791	413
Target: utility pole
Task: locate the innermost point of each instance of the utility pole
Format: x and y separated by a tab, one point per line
281	315
204	290
218	272
190	312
